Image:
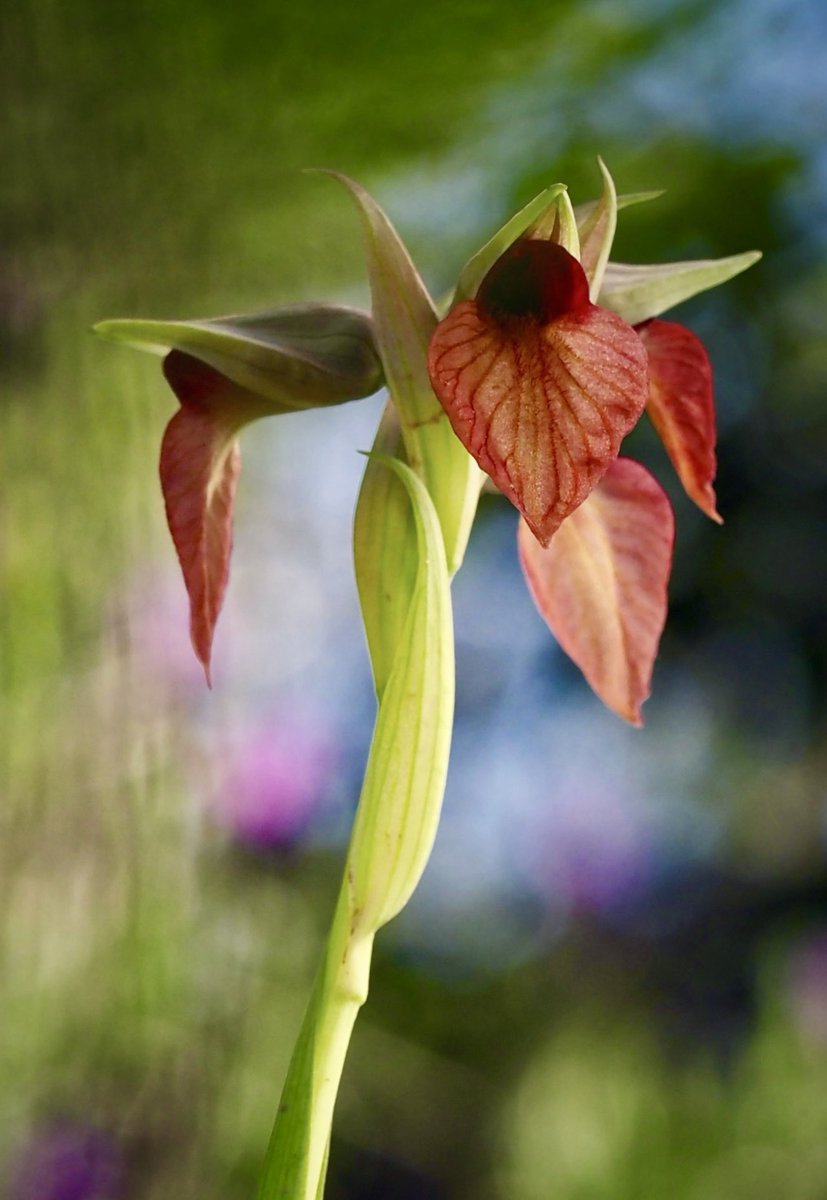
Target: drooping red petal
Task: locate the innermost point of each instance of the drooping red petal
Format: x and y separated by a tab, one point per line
199	469
601	583
682	407
540	386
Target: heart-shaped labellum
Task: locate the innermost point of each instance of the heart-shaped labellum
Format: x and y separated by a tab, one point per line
539	384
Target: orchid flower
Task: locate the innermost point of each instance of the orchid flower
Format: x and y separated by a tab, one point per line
543	369
546	358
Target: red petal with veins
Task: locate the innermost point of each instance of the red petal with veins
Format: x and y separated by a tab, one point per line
682	408
601	583
199	469
540	386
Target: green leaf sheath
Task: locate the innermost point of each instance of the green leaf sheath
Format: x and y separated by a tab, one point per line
392	836
405	778
384	550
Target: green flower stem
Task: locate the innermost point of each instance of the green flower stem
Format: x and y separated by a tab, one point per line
296	1160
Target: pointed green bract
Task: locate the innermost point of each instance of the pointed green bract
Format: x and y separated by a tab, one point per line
597	231
628	199
557	223
638	293
624	200
302	356
404	319
478	266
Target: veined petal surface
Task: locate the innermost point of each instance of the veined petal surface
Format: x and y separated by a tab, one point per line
199	468
601	583
682	408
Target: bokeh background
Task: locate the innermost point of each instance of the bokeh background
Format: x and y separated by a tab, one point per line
613	981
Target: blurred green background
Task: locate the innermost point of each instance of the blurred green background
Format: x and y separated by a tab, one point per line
614	980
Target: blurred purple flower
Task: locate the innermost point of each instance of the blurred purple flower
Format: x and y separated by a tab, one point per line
807	987
274	782
66	1161
145	619
595	854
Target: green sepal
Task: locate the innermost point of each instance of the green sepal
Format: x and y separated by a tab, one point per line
638	293
628	199
298	357
597	231
404	319
624	200
558	224
478	266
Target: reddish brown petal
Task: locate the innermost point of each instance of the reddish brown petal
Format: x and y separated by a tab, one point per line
197	384
540	386
601	583
199	469
682	408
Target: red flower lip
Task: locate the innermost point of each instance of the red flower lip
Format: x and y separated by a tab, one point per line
540	385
